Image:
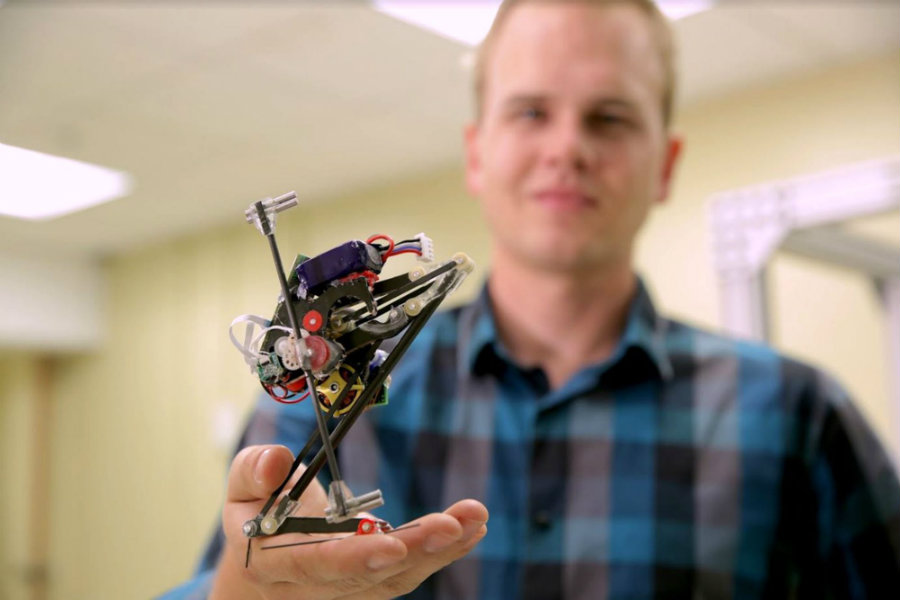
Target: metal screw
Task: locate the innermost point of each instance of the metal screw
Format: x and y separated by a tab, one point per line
251	528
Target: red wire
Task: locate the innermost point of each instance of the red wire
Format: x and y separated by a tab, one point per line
286	399
387	238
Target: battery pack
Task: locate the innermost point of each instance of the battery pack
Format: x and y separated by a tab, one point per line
314	274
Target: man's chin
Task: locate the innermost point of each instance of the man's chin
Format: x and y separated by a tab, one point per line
564	260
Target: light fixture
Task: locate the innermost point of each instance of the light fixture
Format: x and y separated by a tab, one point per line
466	22
39	186
469	21
679	9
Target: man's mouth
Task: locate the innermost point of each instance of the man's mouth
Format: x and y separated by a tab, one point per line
564	199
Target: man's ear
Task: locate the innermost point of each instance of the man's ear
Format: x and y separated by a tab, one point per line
473	159
674	146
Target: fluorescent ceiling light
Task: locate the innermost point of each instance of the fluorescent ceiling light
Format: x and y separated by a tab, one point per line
468	21
679	9
38	186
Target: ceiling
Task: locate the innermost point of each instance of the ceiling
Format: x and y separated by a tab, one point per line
211	105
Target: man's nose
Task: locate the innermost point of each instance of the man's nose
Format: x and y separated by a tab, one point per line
568	145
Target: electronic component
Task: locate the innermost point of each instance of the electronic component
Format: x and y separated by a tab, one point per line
323	343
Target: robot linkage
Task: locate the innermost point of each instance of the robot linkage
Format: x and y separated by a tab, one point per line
323	343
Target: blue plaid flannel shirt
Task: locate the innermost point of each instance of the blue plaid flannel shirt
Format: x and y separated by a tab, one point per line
686	465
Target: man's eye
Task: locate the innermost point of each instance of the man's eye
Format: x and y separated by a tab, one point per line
604	120
532	114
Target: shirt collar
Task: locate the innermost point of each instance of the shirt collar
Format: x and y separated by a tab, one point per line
644	331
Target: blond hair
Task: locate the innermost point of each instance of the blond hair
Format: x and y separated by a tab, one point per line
660	29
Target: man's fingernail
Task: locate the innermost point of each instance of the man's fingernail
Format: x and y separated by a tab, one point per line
437	542
382	561
258	470
471	527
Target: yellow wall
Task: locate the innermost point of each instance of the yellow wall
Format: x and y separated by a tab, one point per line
17	421
136	469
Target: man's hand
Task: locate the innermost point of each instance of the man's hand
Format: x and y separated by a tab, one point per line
357	567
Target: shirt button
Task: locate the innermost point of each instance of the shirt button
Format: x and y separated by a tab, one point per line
541	520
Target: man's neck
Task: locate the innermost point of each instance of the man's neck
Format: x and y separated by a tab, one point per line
560	321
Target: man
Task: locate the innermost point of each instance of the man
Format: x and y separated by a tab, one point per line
620	454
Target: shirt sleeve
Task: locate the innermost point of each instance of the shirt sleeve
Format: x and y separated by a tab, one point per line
197	588
858	502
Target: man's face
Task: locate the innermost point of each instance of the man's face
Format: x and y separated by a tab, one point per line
571	149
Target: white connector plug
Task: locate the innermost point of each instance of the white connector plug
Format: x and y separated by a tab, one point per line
427	247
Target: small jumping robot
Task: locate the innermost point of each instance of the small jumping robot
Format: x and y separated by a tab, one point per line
323	343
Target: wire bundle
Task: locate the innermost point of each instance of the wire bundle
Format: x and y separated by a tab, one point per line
410	246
